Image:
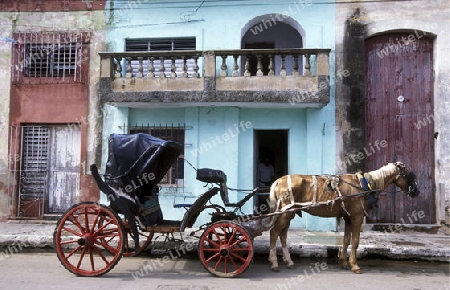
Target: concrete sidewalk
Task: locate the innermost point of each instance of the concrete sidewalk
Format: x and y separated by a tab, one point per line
404	245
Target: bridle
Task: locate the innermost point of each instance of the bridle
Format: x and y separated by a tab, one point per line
410	177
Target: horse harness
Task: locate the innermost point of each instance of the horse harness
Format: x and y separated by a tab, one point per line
366	185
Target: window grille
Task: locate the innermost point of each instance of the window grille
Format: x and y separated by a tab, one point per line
50	60
35	153
162	44
175	175
50	57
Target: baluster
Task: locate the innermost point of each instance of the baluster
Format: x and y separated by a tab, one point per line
247	66
173	68
161	68
118	69
223	67
185	68
283	66
195	67
307	66
129	69
271	71
295	66
235	66
140	72
151	68
259	67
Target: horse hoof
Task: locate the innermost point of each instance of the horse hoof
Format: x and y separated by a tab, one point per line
292	267
357	271
275	269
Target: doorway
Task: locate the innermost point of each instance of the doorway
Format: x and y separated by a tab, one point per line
399	110
49	174
271	144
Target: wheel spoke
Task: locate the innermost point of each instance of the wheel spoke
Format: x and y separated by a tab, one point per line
81	257
75	221
238	257
236	267
233	234
91	230
72	252
218	263
219	240
213	243
225	264
72	232
107	247
213	257
100	254
86	219
103	226
238	241
91	258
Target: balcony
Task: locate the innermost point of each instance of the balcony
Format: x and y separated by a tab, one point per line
244	78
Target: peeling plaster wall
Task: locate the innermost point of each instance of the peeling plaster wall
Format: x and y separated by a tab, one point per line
92	21
354	23
5	81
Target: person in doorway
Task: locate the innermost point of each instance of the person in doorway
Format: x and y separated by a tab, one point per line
266	173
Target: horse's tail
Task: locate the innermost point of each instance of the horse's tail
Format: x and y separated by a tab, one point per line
274	207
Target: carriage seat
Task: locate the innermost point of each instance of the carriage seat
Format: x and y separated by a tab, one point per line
211	175
208	175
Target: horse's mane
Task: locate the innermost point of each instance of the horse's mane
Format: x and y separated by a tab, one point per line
379	176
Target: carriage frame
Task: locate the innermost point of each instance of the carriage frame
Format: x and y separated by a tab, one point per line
90	238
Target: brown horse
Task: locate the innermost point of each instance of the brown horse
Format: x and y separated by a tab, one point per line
332	196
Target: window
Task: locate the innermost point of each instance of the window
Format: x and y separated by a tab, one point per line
162	44
50	60
50	57
175	175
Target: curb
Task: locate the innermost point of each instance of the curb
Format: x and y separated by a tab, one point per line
17	236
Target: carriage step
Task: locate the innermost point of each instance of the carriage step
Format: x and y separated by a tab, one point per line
180	205
167	226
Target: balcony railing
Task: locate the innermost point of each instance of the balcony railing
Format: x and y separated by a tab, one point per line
221	76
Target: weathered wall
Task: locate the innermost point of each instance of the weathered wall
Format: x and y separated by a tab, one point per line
66	103
355	22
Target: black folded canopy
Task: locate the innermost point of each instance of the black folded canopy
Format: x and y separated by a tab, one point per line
137	162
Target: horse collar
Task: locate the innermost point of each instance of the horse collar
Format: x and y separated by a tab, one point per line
367	185
365	181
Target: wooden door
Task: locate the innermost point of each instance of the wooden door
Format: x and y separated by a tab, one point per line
64	168
399	110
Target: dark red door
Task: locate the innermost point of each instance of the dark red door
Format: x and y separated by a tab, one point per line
399	110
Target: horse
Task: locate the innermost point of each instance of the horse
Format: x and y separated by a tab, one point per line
347	196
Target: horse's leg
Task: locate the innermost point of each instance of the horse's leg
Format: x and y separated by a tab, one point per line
356	232
346	242
273	249
284	248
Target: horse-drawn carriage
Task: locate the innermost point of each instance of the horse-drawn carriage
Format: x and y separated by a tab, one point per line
90	238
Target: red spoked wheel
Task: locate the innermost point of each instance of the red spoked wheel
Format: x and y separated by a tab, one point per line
145	238
225	249
89	239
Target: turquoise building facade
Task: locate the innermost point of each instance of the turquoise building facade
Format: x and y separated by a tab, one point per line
228	137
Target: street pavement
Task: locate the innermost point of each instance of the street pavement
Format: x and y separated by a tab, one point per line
406	244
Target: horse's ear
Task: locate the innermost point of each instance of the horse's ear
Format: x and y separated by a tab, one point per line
400	165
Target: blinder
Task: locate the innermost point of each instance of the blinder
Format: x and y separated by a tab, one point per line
410	178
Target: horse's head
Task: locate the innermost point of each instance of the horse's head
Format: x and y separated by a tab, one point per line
406	180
